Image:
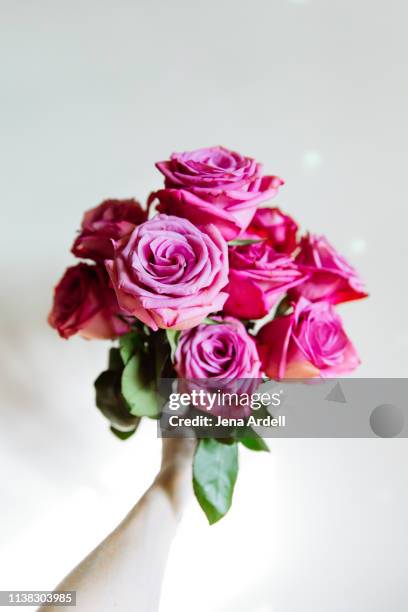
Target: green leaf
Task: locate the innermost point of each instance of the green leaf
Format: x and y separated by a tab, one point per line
160	353
215	470
128	344
173	336
256	444
111	402
244	242
208	321
122	435
283	307
226	440
115	360
138	387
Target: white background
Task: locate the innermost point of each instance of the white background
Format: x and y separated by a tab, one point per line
93	93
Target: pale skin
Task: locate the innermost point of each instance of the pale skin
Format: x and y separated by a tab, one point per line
125	571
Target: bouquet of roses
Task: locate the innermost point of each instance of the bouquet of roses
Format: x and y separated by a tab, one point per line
180	285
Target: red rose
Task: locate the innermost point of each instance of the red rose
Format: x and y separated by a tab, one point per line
104	225
85	304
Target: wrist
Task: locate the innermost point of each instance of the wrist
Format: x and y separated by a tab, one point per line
175	475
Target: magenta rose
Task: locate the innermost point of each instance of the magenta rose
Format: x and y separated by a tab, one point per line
330	277
104	225
273	225
220	355
169	273
216	186
308	343
223	349
258	277
85	304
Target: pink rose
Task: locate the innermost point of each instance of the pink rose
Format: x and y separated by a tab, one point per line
85	304
308	343
169	273
217	350
273	225
258	277
330	277
218	356
104	225
216	186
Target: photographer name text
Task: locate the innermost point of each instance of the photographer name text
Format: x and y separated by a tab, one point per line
206	421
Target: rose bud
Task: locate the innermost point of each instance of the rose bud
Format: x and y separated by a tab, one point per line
258	277
224	357
330	277
169	273
273	225
104	225
85	304
215	186
308	343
